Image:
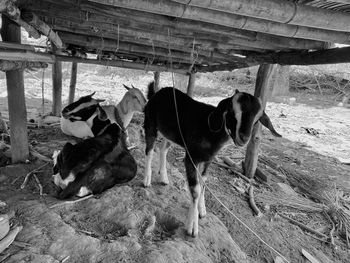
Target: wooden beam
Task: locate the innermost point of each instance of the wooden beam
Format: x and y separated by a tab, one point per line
136	46
262	90
8	8
12	55
73	81
56	88
6	65
11	32
182	69
286	12
182	11
328	56
156	80
42	27
191	83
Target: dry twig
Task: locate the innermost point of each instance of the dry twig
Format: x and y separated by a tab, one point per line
301	225
252	202
29	174
332	230
39	184
71	202
234	171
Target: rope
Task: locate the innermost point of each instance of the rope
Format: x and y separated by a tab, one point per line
42	94
199	175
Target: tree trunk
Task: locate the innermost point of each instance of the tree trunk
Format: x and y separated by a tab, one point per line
263	89
11	32
73	82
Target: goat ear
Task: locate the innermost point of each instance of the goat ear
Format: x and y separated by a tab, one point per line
126	87
265	120
101	113
92	94
216	118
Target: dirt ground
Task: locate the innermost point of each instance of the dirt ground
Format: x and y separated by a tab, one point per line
131	224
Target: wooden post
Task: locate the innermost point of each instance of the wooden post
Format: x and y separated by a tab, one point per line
281	83
56	88
191	82
156	80
11	32
263	89
73	82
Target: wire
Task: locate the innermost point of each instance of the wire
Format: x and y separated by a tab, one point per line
200	179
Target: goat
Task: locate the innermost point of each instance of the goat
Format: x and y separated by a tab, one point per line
204	130
93	165
79	119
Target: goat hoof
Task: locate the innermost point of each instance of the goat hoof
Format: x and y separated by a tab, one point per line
202	215
145	184
192	233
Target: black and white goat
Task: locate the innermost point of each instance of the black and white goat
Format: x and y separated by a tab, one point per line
204	130
93	165
80	118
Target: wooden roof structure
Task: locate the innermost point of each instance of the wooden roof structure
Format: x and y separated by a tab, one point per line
185	35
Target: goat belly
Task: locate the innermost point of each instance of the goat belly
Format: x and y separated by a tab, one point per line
105	175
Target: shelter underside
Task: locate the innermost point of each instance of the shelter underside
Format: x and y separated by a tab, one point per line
184	36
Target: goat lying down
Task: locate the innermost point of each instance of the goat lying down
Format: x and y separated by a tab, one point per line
205	129
80	118
93	165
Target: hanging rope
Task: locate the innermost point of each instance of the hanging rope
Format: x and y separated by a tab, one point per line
200	179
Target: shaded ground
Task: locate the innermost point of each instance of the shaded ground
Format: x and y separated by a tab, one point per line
131	224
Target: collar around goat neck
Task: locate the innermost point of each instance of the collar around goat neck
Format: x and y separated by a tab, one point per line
223	124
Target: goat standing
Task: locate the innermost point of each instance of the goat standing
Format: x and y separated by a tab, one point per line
200	128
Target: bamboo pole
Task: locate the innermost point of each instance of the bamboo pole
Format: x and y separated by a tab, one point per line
173	9
158	32
11	32
191	83
286	12
263	88
6	65
73	81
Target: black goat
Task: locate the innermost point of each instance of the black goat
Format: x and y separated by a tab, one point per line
94	165
204	131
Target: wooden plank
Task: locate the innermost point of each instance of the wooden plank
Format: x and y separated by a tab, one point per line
191	83
56	88
156	80
262	91
11	32
73	81
286	12
181	11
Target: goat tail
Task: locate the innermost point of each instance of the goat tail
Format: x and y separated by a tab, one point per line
151	91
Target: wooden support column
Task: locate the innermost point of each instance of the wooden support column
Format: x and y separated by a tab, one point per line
11	32
56	88
191	82
156	80
263	88
73	82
